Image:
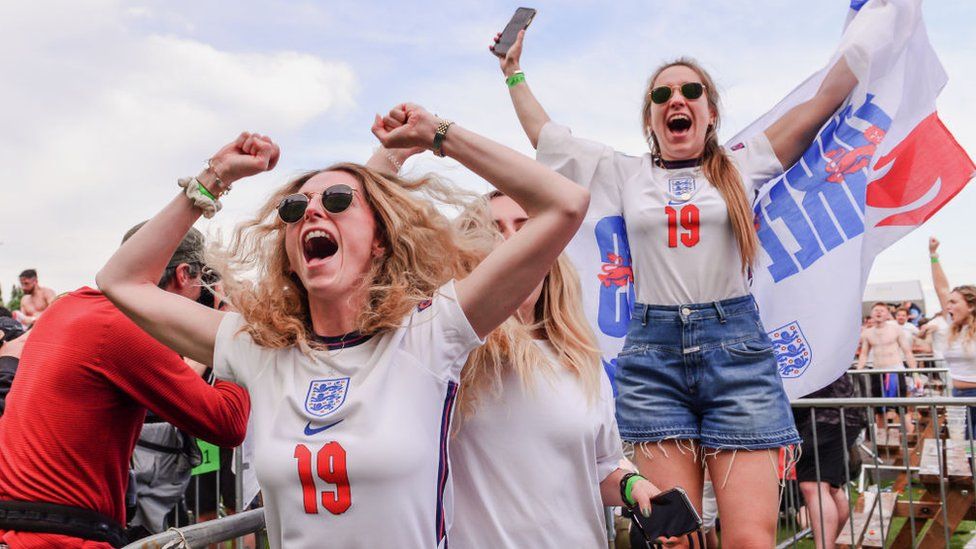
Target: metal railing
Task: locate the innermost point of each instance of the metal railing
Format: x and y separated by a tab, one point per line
912	490
205	533
921	485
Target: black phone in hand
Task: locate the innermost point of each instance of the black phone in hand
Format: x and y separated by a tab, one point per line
672	515
519	22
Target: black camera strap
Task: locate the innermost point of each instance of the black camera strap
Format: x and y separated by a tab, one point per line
50	518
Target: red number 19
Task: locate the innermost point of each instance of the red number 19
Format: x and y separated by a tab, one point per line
688	217
331	466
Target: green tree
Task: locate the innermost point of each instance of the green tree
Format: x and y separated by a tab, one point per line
16	292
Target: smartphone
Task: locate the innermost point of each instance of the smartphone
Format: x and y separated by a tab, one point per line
672	515
519	21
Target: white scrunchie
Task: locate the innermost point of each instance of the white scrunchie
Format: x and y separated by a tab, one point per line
209	206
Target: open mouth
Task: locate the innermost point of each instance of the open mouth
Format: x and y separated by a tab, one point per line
318	245
679	124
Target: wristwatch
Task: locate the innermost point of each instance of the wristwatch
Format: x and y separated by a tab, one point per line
439	137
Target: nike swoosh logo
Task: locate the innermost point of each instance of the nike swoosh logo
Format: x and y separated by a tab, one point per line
309	431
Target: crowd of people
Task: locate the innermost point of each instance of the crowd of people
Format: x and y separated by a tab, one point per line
410	377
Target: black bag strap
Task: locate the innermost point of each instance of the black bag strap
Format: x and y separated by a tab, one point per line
161	447
50	518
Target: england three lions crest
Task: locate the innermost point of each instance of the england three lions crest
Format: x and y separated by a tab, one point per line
793	355
326	395
681	189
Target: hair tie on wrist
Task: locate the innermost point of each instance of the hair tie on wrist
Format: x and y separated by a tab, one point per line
201	197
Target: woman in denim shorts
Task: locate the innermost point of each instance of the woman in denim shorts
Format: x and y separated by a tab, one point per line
697	379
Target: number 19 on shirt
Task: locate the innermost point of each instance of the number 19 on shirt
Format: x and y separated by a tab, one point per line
687	218
330	463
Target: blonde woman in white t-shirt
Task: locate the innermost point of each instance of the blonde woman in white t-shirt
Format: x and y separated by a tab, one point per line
697	375
352	340
537	453
959	304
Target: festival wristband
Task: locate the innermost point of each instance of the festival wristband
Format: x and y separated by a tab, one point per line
515	79
626	485
629	499
205	192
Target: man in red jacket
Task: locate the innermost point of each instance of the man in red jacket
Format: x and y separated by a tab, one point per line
85	380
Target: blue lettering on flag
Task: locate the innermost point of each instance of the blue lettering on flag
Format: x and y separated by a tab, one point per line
616	276
819	201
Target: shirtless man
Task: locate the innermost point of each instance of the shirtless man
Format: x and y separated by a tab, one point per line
885	342
36	298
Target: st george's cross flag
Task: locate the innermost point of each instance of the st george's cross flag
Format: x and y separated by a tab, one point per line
881	166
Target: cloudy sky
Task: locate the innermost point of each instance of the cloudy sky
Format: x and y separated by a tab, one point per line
104	104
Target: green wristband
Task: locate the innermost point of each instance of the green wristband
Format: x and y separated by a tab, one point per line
205	192
516	79
934	260
628	499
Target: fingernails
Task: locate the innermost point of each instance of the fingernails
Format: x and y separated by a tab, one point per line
646	512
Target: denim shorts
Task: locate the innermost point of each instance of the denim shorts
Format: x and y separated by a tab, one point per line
705	372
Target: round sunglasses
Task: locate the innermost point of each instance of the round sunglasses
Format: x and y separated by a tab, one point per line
335	199
690	90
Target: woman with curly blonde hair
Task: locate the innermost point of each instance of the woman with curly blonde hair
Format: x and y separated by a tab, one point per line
537	451
352	340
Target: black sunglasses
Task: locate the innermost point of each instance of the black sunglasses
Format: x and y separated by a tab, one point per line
691	90
335	199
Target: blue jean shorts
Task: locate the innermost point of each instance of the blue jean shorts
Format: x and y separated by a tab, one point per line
705	372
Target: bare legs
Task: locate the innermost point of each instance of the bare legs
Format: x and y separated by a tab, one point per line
746	486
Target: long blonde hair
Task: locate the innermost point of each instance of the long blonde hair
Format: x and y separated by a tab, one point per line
716	165
558	316
422	251
967	329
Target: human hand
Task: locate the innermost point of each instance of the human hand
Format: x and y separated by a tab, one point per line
248	155
407	126
933	244
642	492
510	61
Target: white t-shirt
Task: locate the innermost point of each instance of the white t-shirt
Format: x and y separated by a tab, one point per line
528	466
961	360
682	246
940	335
351	444
909	331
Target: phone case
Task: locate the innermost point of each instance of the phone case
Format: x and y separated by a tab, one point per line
672	515
520	21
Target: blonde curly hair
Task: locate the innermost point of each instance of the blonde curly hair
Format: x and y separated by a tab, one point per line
422	251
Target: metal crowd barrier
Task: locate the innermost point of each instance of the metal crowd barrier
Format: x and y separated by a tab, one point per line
912	490
205	533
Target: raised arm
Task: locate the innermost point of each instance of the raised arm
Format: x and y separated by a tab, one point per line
130	276
556	207
391	160
530	112
939	279
795	130
862	357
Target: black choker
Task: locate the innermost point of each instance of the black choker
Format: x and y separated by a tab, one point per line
333	343
677	164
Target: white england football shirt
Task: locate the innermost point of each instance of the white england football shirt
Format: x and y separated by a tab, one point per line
351	444
528	466
682	246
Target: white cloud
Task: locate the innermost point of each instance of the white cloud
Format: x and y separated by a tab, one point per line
101	118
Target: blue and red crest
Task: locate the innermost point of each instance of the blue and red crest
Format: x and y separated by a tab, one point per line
793	355
326	395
